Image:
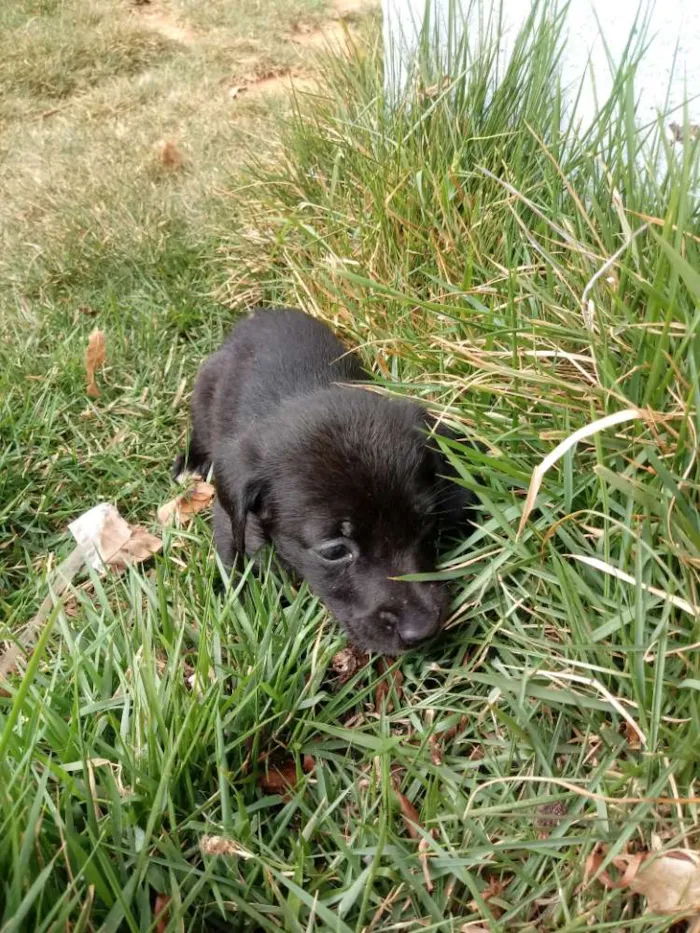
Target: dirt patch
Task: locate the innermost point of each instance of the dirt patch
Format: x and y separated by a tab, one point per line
332	34
351	7
154	17
276	84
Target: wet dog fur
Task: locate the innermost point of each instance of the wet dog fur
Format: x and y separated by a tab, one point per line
345	482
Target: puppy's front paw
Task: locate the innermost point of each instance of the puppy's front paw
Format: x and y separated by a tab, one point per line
178	467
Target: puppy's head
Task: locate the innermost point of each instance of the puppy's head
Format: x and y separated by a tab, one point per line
347	486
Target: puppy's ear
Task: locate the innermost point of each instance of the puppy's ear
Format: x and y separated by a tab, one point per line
242	488
455	501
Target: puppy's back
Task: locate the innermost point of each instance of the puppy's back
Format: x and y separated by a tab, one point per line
267	358
274	355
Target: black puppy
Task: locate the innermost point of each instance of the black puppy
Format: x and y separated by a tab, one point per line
343	481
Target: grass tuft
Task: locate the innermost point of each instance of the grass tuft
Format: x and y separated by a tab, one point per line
71	49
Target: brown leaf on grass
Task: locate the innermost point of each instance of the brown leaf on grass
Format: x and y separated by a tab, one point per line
281	777
70	607
409	813
670	881
95	356
438	740
435	750
384	686
450	733
348	662
473	928
380	694
161	912
237	89
108	541
169	155
412	822
592	866
140	546
495	887
199	496
632	736
113	534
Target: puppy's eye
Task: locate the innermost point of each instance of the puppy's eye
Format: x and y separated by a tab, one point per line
335	552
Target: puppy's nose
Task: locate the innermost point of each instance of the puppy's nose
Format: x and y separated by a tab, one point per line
412	631
415	631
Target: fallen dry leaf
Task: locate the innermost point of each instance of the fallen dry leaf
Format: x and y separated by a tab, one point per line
669	881
632	736
438	740
473	928
70	607
409	813
169	155
199	496
161	912
233	92
280	777
412	822
95	356
113	534
495	887
140	546
108	541
435	750
592	867
452	732
348	662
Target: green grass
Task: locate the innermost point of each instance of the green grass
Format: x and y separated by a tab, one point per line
454	239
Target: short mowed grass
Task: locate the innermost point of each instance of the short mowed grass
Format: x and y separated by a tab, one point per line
456	239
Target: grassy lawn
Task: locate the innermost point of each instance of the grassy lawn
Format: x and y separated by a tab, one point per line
174	756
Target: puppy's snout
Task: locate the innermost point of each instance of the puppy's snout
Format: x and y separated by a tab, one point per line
411	626
416	629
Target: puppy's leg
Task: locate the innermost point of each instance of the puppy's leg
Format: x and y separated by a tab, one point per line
225	545
197	457
223	536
